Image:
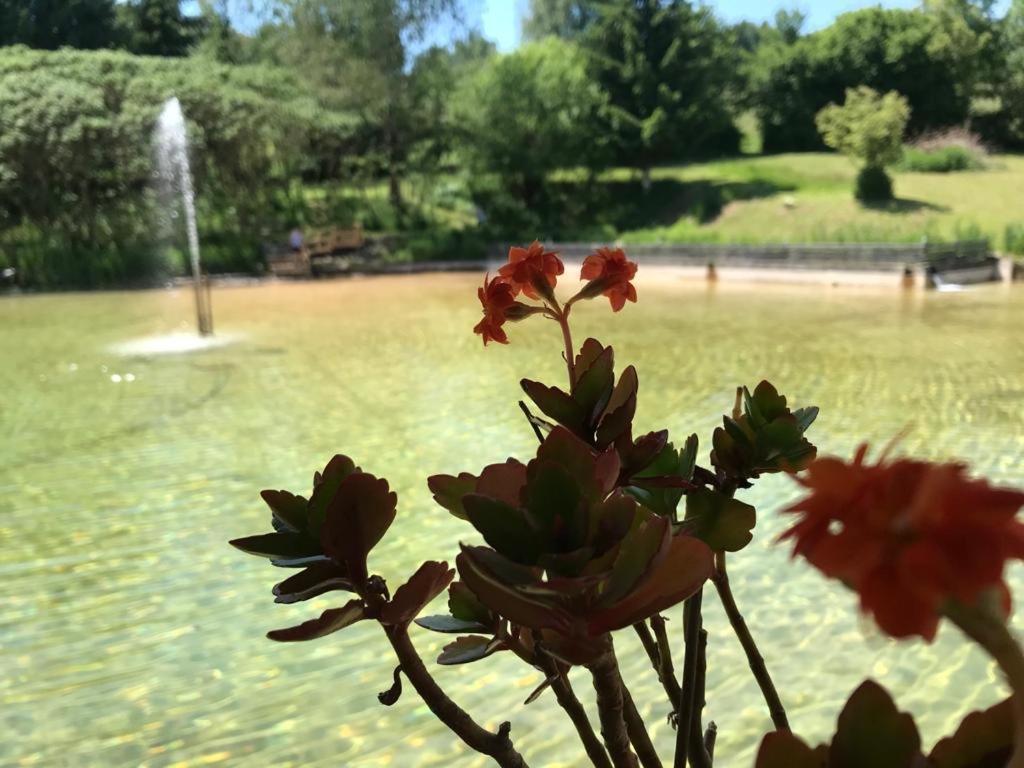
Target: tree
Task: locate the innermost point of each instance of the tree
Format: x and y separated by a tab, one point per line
52	24
665	69
158	28
528	113
885	49
567	19
867	127
358	53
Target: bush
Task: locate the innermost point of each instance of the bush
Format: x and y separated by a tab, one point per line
942	160
1013	239
76	172
873	185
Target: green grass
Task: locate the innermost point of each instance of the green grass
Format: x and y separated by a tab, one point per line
809	198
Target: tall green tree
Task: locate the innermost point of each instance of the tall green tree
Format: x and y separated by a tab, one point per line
566	19
359	52
159	28
52	24
666	70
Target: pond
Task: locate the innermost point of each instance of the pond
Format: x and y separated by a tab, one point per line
133	635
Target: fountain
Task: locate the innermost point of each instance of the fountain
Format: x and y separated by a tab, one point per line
172	162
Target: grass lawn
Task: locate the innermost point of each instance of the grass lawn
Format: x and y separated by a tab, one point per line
808	198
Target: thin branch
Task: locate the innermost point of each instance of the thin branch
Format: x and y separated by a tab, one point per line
638	733
497	746
691	629
605	671
529	418
567	699
754	658
655	652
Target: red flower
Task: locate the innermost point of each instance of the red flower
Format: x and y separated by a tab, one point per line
908	536
497	297
610	273
532	270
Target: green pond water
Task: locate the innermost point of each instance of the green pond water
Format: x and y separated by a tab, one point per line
131	634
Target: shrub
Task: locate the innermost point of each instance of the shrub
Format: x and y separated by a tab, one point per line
873	185
941	160
1013	239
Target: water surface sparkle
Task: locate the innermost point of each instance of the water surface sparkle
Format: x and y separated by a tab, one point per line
133	635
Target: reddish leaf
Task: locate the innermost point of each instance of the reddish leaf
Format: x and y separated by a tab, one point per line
618	418
780	749
494	581
329	621
872	732
588	353
687	565
983	740
357	516
448	491
593	388
503	482
289	549
429	581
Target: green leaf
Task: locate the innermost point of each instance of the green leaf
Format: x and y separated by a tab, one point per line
464	605
288	508
555	508
721	522
449	490
781	749
496	582
805	417
768	402
594	387
329	621
505	528
983	740
467	649
618	418
283	548
556	404
429	581
647	539
588	353
688	458
324	488
312	581
358	515
872	732
449	625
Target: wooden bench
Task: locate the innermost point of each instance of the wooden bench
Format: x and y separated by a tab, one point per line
318	243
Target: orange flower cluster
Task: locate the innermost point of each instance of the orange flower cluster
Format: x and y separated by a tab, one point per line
533	271
610	272
908	536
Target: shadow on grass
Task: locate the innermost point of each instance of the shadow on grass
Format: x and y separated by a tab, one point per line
903	205
624	205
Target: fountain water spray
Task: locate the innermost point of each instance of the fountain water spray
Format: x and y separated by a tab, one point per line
172	162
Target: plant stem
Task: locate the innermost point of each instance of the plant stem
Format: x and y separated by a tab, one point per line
497	746
605	671
991	633
699	757
754	658
691	630
668	671
562	316
654	653
568	701
638	731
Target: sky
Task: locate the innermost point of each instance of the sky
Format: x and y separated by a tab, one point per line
501	19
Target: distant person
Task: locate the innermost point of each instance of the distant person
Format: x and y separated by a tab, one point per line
295	240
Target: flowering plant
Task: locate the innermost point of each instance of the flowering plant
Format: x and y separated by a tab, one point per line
604	530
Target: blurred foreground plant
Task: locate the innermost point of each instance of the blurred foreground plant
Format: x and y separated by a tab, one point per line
604	530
